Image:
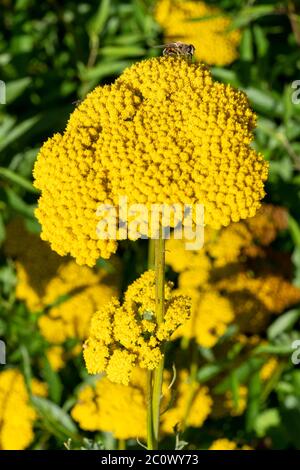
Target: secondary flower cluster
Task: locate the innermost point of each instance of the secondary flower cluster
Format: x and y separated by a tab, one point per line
231	278
215	43
67	293
16	414
123	336
163	132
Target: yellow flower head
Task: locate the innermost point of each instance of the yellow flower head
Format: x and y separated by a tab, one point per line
230	278
255	299
214	43
191	408
115	408
16	414
268	369
164	132
211	314
122	336
68	291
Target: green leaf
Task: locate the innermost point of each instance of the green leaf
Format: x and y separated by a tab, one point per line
264	101
234	387
13	177
17	204
120	52
15	88
2	230
249	14
283	323
55	386
246	48
26	366
290	413
267	419
294	229
55	418
17	132
97	23
242	372
254	392
208	371
103	69
261	41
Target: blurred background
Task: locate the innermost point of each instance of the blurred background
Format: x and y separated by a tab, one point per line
245	364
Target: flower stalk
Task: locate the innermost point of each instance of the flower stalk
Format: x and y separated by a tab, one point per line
159	255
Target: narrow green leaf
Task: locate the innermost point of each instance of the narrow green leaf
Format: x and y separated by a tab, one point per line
13	177
55	418
55	386
15	88
246	48
294	229
283	323
253	407
17	204
98	21
17	132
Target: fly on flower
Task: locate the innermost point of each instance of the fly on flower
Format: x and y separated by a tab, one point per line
178	49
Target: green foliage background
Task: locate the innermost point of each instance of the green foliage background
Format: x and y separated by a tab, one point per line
51	54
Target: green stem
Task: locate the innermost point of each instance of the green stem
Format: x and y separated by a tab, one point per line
150	435
151	254
159	249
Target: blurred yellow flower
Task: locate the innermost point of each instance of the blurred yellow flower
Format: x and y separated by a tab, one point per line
211	314
16	414
269	368
226	444
232	278
192	406
163	132
115	408
211	36
68	293
224	404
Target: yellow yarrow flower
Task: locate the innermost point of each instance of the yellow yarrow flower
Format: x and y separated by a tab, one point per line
211	314
184	413
115	408
16	414
227	282
69	293
255	299
56	357
122	336
163	132
269	368
214	43
226	444
230	244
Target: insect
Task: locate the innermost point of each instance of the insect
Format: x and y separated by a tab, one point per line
178	49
